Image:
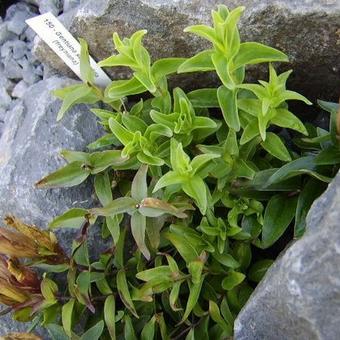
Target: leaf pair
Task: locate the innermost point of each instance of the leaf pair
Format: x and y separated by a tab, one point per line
187	174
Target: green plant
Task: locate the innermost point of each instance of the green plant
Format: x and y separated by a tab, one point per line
190	185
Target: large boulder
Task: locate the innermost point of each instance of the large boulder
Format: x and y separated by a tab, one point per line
29	150
30	146
308	31
299	297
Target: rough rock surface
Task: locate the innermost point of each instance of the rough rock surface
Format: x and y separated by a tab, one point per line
29	150
299	297
29	147
307	30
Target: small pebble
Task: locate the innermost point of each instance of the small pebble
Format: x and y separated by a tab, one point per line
19	89
28	74
70	4
5	34
53	6
12	70
5	99
16	16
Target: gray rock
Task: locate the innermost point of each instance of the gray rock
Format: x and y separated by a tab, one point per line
20	89
5	34
12	70
28	72
306	30
4	82
30	147
53	6
19	49
21	12
5	99
15	48
70	4
299	297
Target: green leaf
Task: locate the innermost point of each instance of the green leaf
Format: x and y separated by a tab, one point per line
157	273
215	314
310	192
170	178
100	161
191	335
138	227
103	188
258	269
139	188
153	207
194	293
203	31
286	119
232	280
118	206
110	315
186	250
274	145
124	293
72	156
222	69
228	103
226	259
104	141
73	218
165	66
254	53
56	332
52	268
122	88
86	71
80	94
195	269
278	215
199	63
49	289
123	134
329	156
148	331
196	189
66	316
70	175
204	98
303	165
113	225
129	332
94	332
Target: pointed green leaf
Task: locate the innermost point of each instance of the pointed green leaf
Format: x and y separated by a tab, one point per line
138	227
94	332
228	104
70	175
118	206
123	290
148	331
194	293
110	315
274	145
232	280
139	188
278	215
73	218
199	63
255	53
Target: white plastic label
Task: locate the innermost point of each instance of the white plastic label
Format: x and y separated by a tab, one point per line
61	41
